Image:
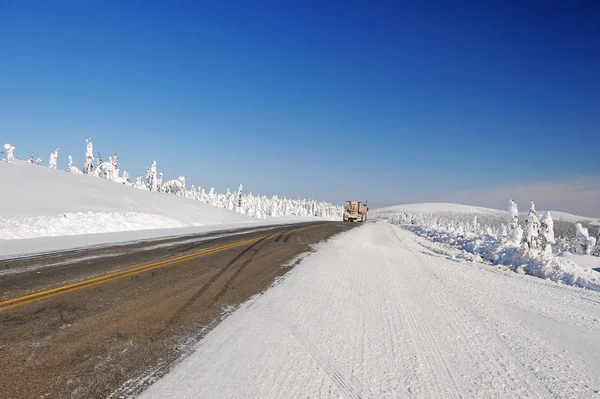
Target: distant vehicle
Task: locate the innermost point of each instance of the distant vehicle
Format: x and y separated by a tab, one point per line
355	211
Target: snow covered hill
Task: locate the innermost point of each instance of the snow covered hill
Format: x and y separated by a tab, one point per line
39	201
564	222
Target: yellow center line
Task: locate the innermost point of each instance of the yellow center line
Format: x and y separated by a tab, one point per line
50	293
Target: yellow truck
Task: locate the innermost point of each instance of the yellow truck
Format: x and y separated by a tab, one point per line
355	211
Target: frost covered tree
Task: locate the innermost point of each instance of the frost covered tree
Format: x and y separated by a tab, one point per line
38	161
98	160
176	187
72	169
89	157
547	232
583	243
31	156
159	182
53	159
151	178
515	232
139	184
532	227
502	233
10	152
238	200
596	250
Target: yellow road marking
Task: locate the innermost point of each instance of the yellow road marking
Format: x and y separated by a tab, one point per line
50	293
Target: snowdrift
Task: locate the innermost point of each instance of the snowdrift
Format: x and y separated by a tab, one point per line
38	201
474	234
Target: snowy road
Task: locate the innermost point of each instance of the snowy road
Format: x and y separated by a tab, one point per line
376	313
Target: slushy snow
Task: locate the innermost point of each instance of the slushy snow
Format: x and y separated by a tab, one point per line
377	313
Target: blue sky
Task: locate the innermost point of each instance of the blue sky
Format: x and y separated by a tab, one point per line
387	101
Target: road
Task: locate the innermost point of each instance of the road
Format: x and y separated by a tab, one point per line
94	322
379	312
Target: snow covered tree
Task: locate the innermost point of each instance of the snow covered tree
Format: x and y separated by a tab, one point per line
238	201
582	244
596	250
10	152
31	156
115	164
547	232
532	227
98	160
72	169
515	232
53	159
176	187
38	161
513	215
159	182
151	178
89	157
502	233
139	184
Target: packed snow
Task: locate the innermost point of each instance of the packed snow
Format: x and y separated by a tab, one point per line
377	312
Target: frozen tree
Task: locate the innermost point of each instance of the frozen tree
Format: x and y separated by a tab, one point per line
53	159
38	161
547	232
89	157
10	152
513	215
257	209
274	209
238	200
159	182
151	178
515	232
123	179
176	187
596	250
532	227
502	233
72	169
583	243
98	160
115	164
139	184
31	156
105	170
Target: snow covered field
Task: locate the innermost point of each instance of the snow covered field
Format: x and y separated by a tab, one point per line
378	313
40	207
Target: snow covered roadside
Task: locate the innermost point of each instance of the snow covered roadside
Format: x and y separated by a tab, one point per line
375	314
485	248
44	210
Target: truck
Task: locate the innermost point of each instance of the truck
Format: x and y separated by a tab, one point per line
355	211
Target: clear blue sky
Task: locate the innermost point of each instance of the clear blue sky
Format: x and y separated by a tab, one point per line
386	101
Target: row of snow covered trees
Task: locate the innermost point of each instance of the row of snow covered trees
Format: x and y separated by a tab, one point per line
536	237
238	201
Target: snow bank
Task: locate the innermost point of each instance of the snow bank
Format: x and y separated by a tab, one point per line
486	248
82	223
38	202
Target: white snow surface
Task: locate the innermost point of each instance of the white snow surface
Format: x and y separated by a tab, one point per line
35	192
377	313
437	207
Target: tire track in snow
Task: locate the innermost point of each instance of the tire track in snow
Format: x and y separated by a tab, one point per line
370	315
521	341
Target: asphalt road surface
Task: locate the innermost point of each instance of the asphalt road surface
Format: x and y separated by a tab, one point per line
108	321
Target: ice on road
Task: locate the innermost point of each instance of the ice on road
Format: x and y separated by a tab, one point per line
377	313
